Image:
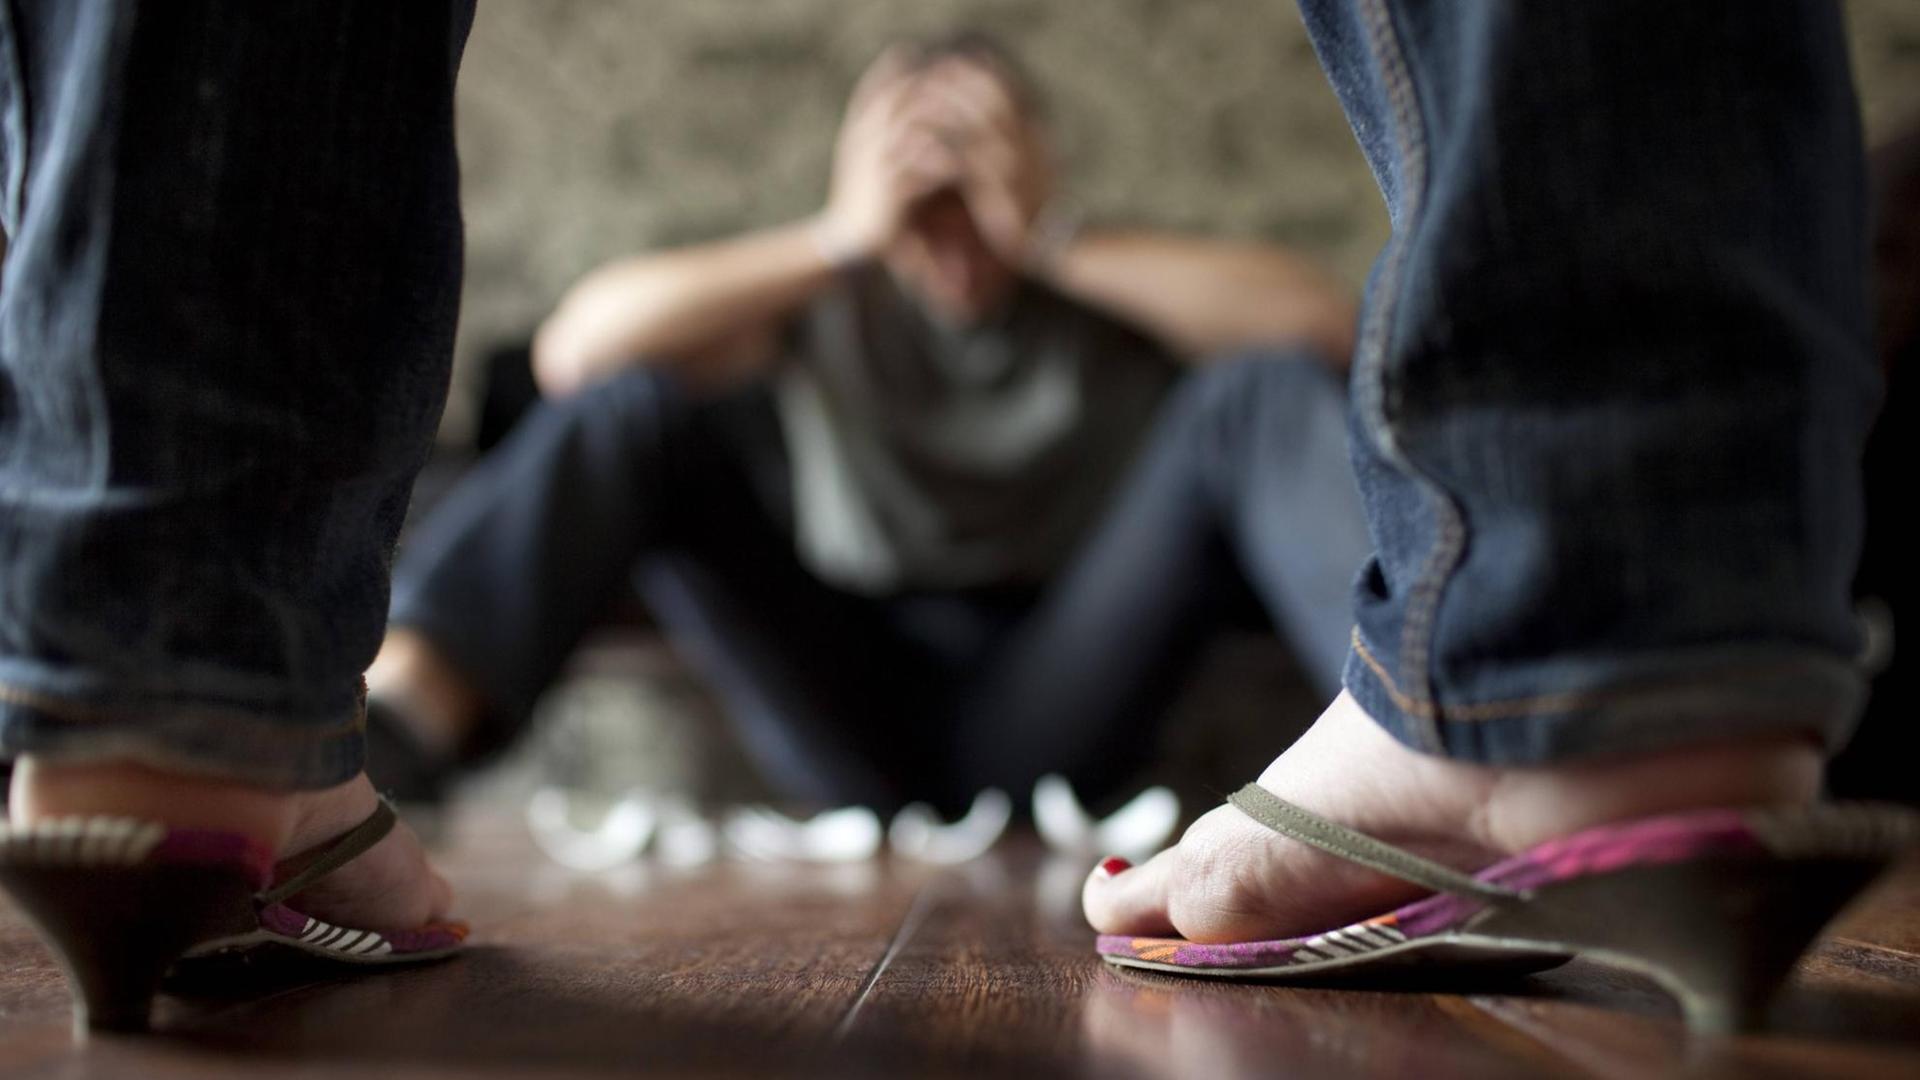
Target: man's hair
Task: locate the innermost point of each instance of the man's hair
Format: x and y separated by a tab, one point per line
982	48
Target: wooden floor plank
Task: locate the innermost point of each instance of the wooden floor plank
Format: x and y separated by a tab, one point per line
888	968
742	967
1888	917
1852	1010
1001	978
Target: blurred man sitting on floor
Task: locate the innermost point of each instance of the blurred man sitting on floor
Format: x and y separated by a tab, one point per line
937	490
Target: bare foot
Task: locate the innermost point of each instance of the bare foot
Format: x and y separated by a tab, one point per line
389	887
1232	879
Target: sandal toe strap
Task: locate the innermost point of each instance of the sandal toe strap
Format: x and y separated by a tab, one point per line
1310	828
310	866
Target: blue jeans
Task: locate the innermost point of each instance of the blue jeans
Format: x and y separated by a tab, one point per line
1609	400
225	328
1614	378
842	697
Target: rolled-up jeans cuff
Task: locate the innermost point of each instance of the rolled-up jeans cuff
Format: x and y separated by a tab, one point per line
272	748
1634	706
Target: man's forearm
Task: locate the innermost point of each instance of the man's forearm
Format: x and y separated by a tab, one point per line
1204	297
682	307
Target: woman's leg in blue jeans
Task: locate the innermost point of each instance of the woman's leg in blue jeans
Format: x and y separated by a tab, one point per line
1615	376
1611	390
225	331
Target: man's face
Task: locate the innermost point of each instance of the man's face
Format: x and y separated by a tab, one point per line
943	261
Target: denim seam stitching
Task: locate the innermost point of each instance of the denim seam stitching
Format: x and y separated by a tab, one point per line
76	713
1515	708
1423	602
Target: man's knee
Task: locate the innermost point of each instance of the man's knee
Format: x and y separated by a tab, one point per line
1249	385
640	405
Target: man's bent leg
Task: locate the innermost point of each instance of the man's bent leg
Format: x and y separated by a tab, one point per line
533	547
1244	480
1278	468
540	539
830	700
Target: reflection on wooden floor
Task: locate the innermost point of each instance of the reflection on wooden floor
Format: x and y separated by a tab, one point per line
888	969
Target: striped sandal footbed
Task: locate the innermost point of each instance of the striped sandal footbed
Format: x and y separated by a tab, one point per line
99	843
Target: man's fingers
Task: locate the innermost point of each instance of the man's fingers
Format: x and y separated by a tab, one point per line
996	159
885	70
967	107
916	129
977	117
997	145
980	80
1131	901
991	99
916	110
874	135
914	143
913	162
887	90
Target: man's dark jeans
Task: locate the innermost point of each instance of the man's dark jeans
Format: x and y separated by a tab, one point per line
841	696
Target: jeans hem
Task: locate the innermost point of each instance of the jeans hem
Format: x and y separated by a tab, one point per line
1714	694
249	746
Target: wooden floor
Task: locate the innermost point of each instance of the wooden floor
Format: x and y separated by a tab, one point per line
896	970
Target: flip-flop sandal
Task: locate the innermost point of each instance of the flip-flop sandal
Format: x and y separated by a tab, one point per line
121	900
1715	905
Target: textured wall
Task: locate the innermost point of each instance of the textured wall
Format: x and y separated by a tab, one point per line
593	127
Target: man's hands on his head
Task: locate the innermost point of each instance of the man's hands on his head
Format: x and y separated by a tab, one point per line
910	131
1006	171
712	311
889	154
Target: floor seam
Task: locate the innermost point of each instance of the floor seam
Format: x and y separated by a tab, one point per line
1858	943
909	923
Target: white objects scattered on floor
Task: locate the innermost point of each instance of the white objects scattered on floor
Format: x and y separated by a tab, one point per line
844	835
1140	828
918	833
684	837
619	838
